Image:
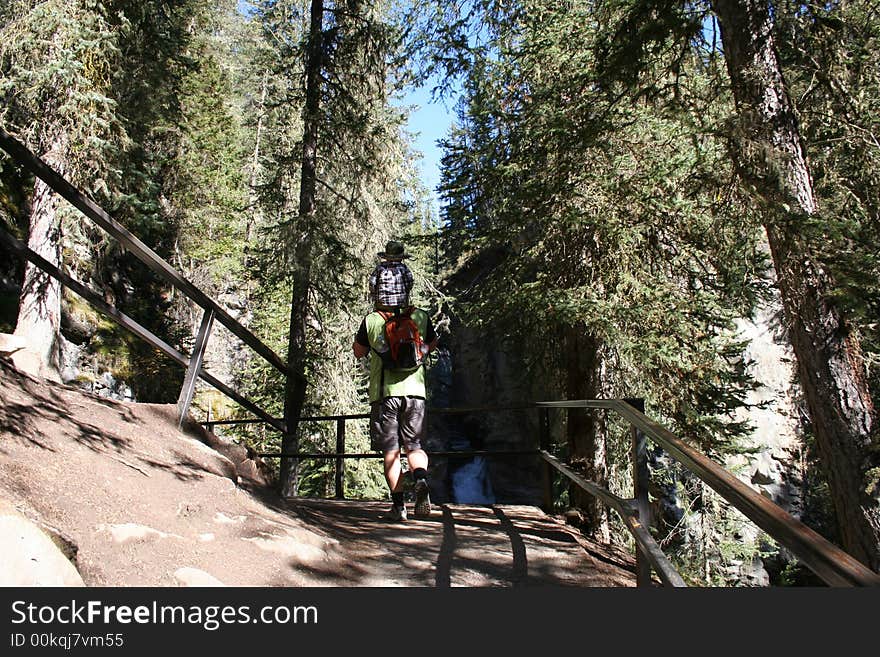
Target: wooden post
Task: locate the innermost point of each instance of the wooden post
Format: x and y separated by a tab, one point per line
340	462
641	478
195	365
546	469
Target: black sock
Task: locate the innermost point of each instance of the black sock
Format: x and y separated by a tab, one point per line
397	498
420	473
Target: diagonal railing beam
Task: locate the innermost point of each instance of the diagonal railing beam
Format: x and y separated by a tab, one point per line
145	254
131	325
195	367
628	512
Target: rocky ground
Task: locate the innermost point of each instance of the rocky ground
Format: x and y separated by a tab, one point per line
98	492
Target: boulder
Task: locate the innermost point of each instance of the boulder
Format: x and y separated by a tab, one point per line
30	557
194	577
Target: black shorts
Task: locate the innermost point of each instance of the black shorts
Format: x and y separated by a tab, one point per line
396	422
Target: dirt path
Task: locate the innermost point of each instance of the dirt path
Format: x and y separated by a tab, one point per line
135	502
462	545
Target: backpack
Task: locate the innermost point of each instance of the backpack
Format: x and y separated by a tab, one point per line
404	348
390	284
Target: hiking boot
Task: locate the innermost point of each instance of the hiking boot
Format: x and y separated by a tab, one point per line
422	505
397	513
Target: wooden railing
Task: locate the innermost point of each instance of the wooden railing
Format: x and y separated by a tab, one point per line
826	560
211	309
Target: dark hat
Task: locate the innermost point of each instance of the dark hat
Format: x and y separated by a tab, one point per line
394	251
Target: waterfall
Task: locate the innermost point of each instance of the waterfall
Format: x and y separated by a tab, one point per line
471	484
468	477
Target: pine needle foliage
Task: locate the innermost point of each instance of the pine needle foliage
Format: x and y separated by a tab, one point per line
632	233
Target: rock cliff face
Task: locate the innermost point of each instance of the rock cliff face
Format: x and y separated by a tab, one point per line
775	469
468	374
777	437
773	463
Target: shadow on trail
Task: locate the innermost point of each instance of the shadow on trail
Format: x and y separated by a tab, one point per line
459	546
102	425
44	403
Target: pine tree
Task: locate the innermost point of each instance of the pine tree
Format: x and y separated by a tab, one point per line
322	239
773	160
606	242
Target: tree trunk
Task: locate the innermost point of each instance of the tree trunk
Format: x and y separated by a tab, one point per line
830	363
253	217
254	214
585	428
295	393
39	314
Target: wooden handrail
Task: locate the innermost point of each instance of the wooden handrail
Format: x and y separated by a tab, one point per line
146	255
131	325
140	250
377	455
829	562
463	410
627	511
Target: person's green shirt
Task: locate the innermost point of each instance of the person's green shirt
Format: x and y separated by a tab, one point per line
393	383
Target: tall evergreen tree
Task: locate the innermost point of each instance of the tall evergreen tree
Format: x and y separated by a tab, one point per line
302	241
604	234
325	219
831	365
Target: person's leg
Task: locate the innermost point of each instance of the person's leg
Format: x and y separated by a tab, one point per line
384	437
412	431
392	471
394	480
418	459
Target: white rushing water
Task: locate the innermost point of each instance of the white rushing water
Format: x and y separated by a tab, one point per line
471	483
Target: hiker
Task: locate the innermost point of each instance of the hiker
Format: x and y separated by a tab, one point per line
391	280
398	343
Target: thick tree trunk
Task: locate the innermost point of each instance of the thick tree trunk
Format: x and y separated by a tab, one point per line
585	429
770	155
39	314
295	393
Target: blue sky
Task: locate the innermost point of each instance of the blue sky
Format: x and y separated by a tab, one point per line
429	121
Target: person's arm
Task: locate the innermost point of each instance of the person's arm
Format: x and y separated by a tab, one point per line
361	344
